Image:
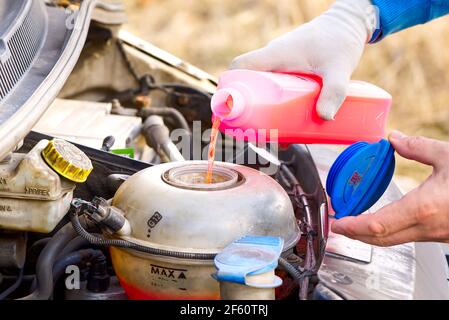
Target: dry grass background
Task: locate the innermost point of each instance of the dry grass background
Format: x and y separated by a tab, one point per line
412	65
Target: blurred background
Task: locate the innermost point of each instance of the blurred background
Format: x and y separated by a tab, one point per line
412	65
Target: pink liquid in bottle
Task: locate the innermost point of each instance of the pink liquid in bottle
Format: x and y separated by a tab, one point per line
281	108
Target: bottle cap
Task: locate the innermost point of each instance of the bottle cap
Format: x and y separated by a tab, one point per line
250	255
67	160
359	177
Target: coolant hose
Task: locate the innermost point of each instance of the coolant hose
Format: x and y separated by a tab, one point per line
120	243
157	136
13	287
166	112
45	262
39	244
74	244
74	258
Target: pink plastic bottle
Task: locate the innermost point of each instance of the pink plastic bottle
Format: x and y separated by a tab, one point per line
263	100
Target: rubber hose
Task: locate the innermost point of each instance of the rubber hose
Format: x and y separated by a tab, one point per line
75	244
72	246
13	287
73	258
25	277
292	270
18	281
120	243
45	262
39	243
166	111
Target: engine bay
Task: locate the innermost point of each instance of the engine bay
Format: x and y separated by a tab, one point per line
121	210
104	143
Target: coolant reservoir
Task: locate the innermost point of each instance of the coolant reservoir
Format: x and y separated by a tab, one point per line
171	207
36	188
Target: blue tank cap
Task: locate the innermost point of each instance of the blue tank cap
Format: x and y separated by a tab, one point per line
359	177
250	255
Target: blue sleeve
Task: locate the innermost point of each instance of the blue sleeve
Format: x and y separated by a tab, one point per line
396	15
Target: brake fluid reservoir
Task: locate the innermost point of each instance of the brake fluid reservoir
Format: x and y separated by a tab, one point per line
171	207
36	188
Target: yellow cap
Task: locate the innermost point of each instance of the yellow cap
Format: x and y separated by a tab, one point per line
67	160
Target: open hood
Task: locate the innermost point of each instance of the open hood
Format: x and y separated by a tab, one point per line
39	46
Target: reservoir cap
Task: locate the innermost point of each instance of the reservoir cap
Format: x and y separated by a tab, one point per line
359	177
250	255
67	160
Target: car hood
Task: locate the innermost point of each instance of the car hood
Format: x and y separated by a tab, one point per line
40	44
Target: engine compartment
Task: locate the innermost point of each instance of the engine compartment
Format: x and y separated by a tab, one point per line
128	107
146	110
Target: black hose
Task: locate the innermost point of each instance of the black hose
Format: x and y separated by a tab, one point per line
39	243
309	265
182	87
44	266
75	244
166	112
25	277
18	281
302	200
74	258
13	287
293	271
120	243
130	67
301	277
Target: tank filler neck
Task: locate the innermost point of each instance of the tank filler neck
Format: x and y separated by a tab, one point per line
193	177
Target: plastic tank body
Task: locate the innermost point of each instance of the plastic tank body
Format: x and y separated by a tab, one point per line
36	188
170	207
284	106
33	197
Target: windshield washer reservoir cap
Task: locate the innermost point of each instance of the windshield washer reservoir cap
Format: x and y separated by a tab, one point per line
247	256
359	177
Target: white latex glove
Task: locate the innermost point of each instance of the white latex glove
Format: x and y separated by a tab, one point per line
330	46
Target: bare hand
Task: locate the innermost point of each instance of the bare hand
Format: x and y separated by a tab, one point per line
422	214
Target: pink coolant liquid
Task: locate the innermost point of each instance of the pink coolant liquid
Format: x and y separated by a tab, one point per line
216	121
211	154
281	108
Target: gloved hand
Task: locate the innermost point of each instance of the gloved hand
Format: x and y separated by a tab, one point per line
330	46
422	214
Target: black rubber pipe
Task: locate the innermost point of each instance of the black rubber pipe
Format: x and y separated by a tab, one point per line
45	262
73	258
93	239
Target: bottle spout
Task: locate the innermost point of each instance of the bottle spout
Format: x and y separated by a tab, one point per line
227	104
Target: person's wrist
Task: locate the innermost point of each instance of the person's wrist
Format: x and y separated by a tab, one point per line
360	17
